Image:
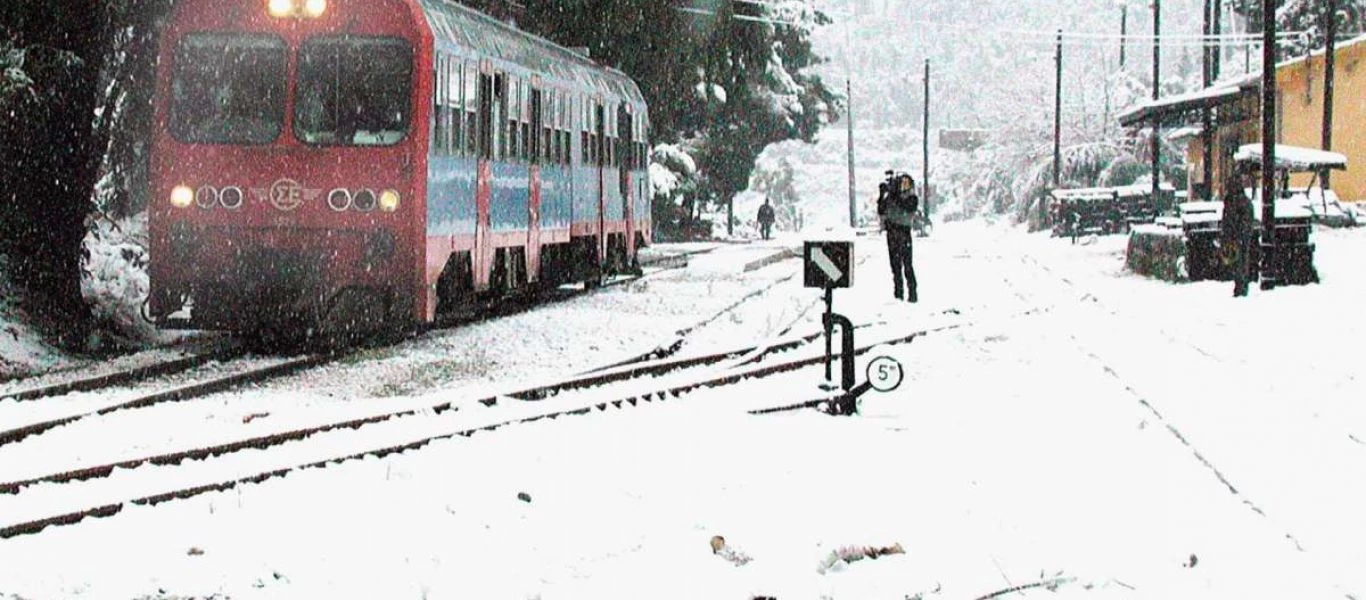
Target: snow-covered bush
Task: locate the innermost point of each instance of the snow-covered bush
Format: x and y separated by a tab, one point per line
677	186
114	279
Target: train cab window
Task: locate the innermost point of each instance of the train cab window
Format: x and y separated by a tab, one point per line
353	91
228	89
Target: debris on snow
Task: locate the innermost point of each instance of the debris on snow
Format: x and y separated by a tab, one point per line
719	548
838	559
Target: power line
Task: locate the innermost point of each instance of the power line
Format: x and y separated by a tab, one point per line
699	11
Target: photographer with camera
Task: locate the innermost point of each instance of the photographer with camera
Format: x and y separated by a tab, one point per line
897	204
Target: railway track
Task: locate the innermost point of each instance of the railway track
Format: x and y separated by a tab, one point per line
226	351
236	349
680	339
58	498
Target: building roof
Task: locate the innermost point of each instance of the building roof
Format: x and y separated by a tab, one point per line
1172	108
1165	109
1294	158
1185	133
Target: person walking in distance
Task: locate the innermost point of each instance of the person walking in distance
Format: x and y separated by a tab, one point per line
766	218
897	204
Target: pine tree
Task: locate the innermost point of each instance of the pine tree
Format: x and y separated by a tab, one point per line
48	162
727	83
1305	15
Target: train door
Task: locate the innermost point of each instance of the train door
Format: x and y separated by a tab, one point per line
625	152
599	167
533	242
491	100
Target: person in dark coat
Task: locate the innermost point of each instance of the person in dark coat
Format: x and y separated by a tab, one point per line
1236	230
766	218
897	204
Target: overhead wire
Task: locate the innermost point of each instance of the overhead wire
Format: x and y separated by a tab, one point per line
1039	37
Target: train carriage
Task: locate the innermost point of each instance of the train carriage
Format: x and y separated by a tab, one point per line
354	164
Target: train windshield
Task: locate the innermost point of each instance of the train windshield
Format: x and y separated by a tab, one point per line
228	89
353	91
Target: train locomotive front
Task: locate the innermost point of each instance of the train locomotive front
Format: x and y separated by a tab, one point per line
286	166
324	166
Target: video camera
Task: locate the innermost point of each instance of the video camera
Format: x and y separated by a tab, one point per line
890	183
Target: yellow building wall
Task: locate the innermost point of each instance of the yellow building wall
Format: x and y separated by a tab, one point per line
1301	121
1300	87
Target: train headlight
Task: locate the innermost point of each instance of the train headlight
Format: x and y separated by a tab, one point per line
315	8
388	201
281	8
182	196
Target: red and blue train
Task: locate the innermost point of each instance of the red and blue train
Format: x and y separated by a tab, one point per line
344	165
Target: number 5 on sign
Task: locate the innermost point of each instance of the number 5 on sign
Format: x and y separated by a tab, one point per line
885	374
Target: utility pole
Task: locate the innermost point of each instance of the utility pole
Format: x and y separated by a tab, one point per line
1123	33
1217	30
1057	115
1207	115
853	203
849	94
1268	144
1329	59
925	147
1157	74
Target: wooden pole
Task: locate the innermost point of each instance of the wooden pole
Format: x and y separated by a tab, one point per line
1268	144
1207	115
849	110
1123	33
1157	74
925	148
1217	29
1329	59
1057	115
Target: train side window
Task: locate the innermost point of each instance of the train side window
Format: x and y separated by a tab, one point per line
514	113
439	106
455	104
500	108
524	118
537	119
485	116
599	135
471	109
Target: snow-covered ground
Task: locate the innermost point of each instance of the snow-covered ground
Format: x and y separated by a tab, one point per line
1117	436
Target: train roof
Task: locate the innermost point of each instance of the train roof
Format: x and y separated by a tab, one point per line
469	28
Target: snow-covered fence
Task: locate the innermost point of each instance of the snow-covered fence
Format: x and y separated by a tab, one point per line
1157	251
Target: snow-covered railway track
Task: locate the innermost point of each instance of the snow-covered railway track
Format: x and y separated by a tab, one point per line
1106	339
210	383
125	376
680	338
37	419
34	504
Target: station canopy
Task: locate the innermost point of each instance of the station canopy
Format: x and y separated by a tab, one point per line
1175	109
1294	158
